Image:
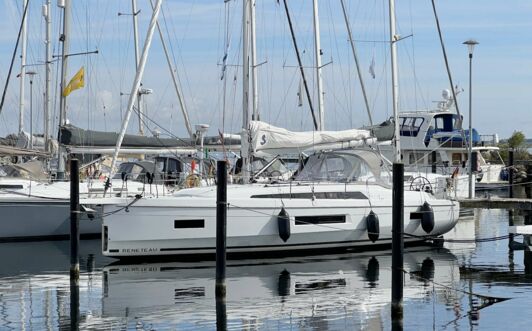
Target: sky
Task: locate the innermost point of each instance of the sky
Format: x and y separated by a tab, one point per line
199	32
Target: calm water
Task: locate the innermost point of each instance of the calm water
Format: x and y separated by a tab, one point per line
445	289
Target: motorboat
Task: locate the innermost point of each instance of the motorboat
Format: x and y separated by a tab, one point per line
432	142
338	201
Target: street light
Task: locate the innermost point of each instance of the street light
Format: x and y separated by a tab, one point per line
31	74
471	43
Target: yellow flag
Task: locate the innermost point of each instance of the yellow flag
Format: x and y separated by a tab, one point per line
77	82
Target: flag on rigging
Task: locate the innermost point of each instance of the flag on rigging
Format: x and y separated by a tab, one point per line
77	82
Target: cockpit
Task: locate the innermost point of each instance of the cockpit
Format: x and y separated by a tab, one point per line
341	166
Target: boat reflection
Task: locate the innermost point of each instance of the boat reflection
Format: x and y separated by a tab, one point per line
321	290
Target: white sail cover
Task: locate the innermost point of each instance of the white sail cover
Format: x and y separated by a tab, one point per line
269	138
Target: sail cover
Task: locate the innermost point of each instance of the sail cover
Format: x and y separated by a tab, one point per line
74	136
266	137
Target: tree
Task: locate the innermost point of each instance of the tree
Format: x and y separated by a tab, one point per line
517	140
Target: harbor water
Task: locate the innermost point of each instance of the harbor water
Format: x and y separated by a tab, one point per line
483	285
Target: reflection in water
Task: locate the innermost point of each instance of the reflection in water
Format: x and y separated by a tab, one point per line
318	293
348	291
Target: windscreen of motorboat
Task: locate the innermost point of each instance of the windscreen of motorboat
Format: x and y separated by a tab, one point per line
338	167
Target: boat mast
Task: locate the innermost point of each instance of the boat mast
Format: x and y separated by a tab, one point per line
254	67
395	88
47	13
136	83
64	38
317	49
245	153
136	41
22	69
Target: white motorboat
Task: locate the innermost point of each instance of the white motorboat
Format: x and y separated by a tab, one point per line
338	201
431	142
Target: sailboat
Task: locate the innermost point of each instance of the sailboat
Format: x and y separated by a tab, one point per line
339	201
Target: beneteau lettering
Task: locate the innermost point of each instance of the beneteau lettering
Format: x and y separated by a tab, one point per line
139	250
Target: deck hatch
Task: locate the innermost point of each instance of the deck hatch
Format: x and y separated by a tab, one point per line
310	195
323	219
189	224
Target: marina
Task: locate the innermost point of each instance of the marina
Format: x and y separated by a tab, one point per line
459	286
234	166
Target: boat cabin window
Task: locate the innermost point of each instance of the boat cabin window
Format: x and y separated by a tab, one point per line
410	126
168	165
457	159
444	122
422	158
133	171
336	167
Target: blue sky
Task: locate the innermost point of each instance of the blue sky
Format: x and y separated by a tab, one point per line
194	29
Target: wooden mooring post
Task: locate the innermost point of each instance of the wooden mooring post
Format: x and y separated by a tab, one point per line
397	243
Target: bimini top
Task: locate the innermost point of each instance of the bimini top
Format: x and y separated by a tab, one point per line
342	166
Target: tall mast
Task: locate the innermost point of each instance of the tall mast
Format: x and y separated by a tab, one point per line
136	41
246	171
22	68
65	38
136	82
317	49
254	67
47	13
395	85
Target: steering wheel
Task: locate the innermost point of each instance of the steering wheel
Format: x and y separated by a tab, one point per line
420	183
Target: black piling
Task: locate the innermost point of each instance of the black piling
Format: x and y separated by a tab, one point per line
433	161
397	242
74	303
221	227
74	244
511	172
74	218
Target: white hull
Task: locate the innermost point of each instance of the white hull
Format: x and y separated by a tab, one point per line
38	211
36	218
186	223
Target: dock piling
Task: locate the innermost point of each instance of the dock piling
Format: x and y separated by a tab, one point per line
397	241
511	172
74	218
221	227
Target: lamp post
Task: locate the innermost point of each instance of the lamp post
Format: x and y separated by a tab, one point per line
31	74
471	43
